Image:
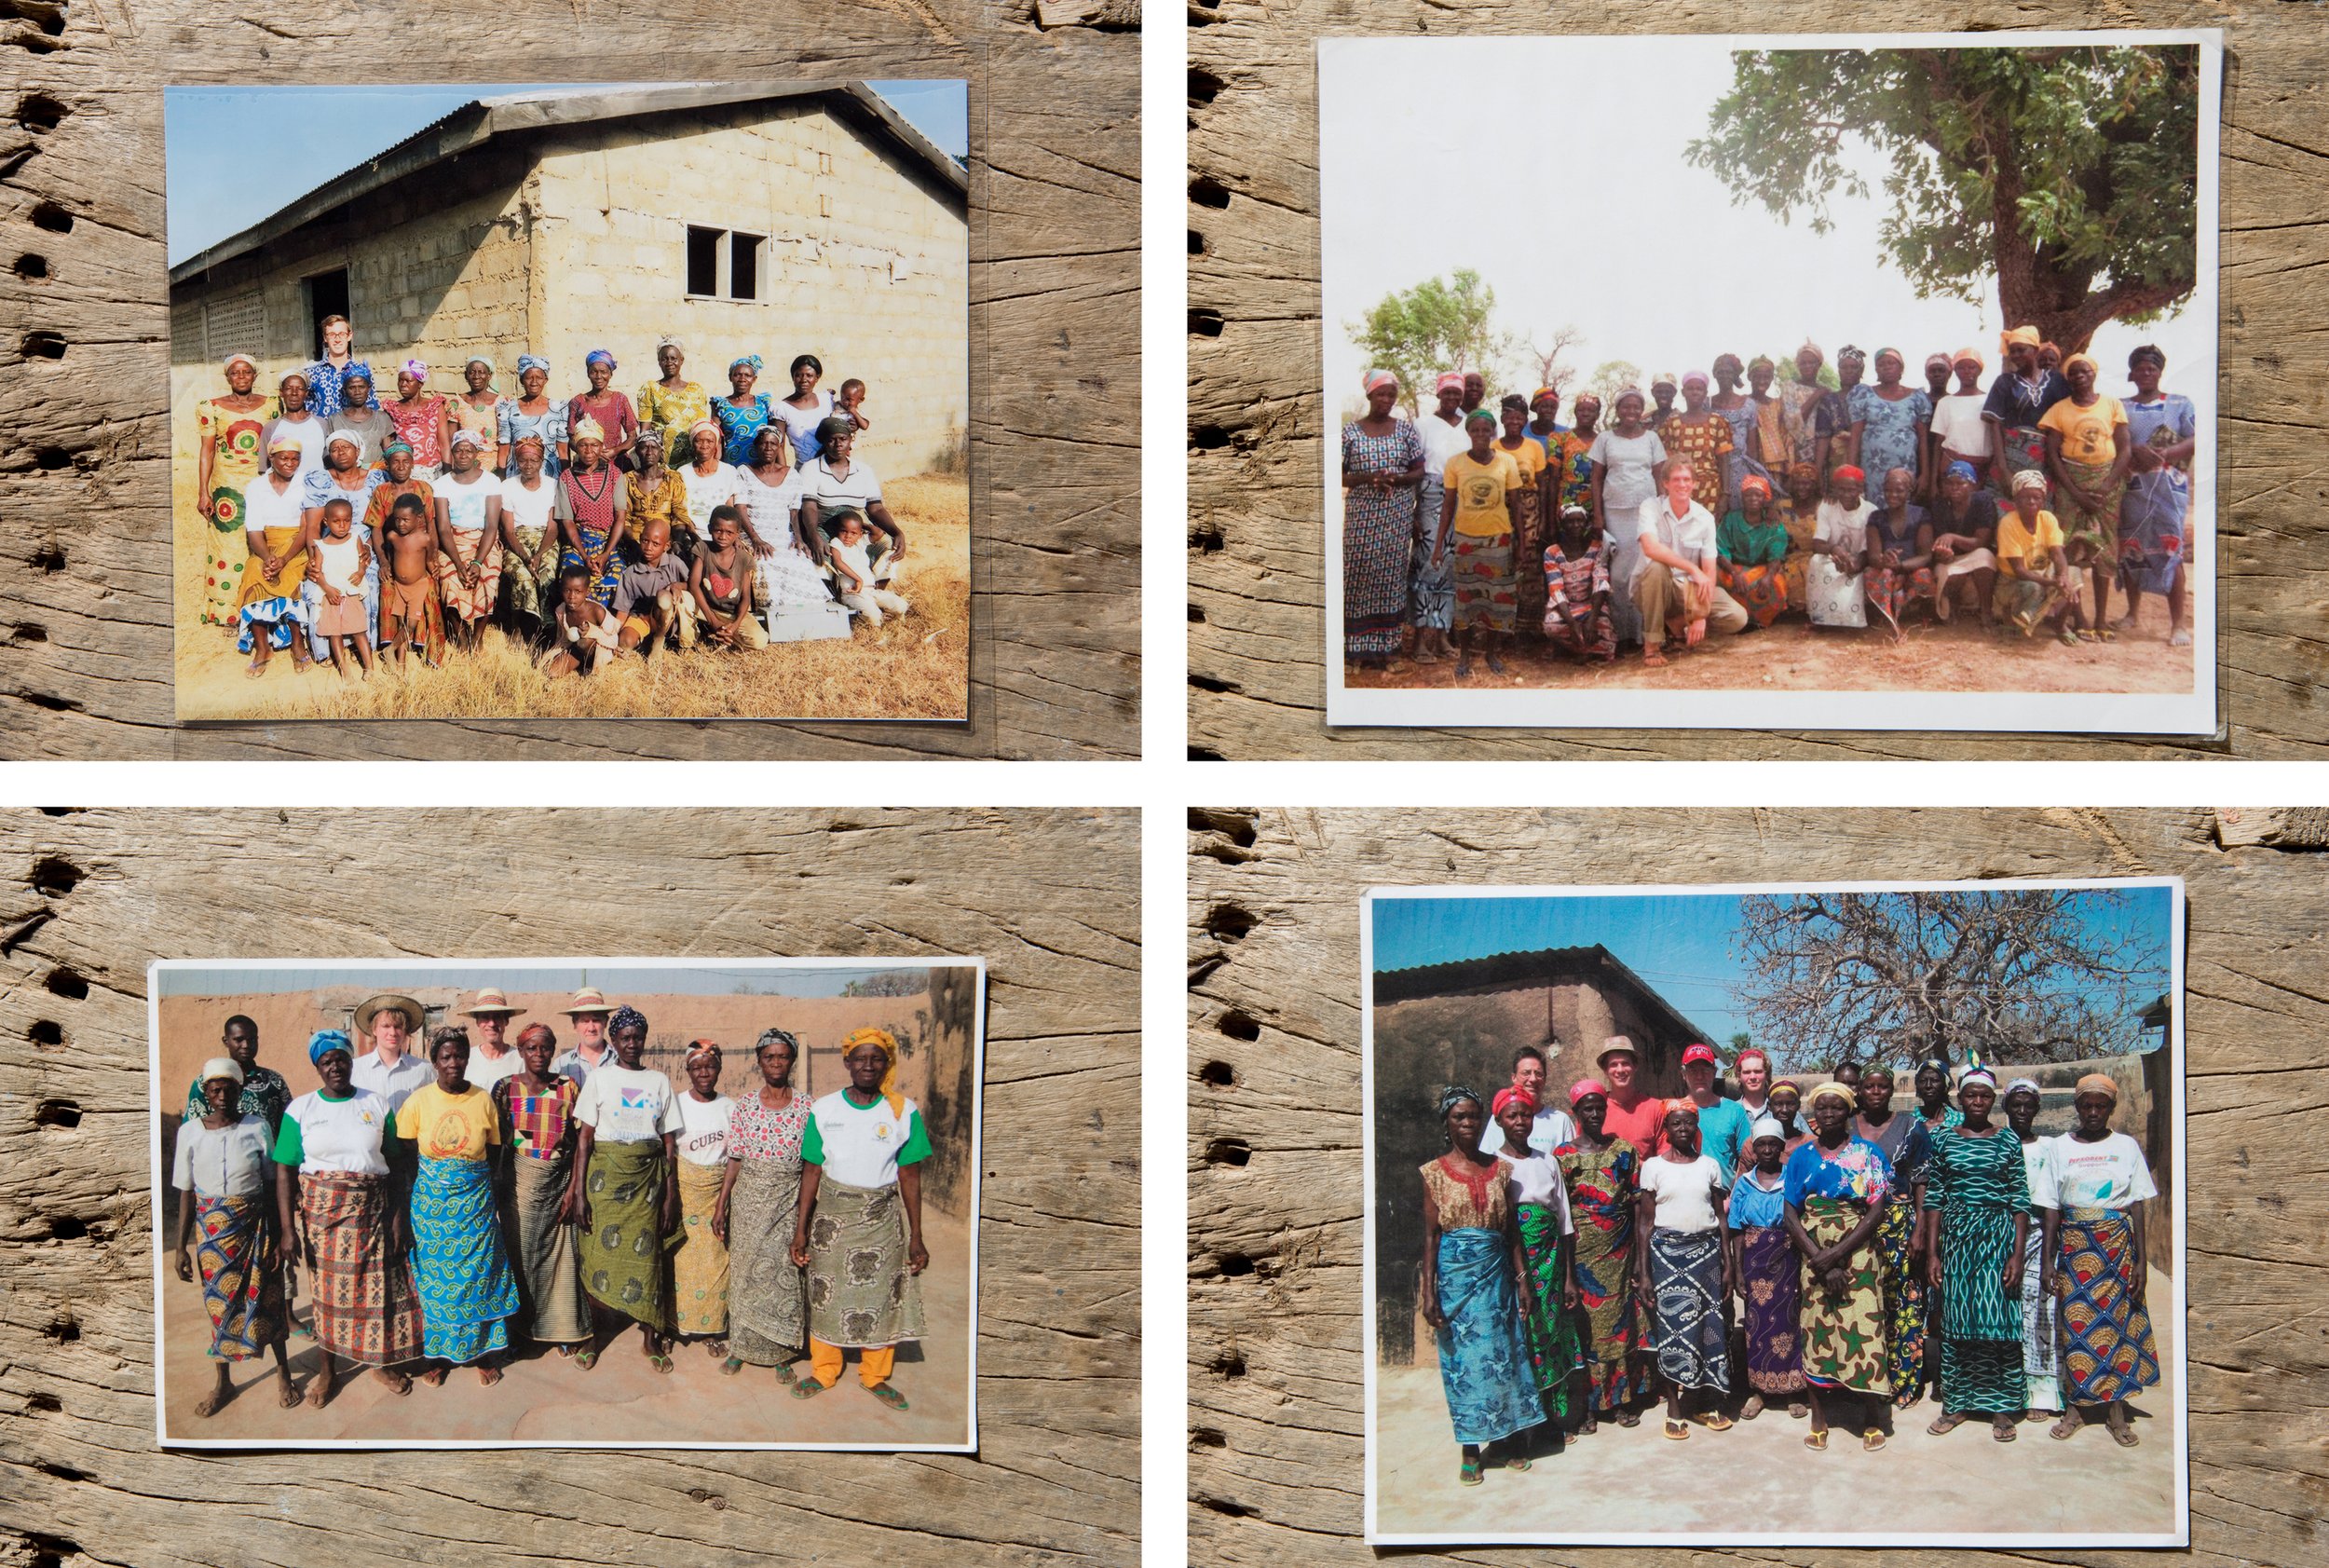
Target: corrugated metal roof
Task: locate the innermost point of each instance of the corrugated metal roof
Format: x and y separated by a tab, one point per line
477	122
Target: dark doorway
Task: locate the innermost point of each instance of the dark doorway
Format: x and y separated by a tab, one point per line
327	295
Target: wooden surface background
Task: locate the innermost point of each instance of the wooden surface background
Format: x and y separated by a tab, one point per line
85	631
1276	1463
1257	635
1050	899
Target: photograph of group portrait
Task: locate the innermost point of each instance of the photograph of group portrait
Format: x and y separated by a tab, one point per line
633	401
567	1203
1859	1205
1875	391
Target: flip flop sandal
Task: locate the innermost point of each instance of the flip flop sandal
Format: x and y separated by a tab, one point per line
731	1367
1468	1473
888	1396
2064	1429
290	1398
2004	1433
2123	1436
1947	1423
1629	1418
1871	1440
1817	1442
1677	1430
1716	1421
661	1363
808	1388
1523	1463
586	1360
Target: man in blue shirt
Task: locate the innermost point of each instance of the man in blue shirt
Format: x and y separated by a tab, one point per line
1722	1122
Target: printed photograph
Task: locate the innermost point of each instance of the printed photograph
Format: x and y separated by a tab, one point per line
1871	388
1861	1203
609	400
632	1202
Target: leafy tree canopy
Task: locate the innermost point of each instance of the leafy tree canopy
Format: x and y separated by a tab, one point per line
2069	175
1438	325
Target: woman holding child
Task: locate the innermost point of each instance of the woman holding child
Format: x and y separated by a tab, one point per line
769	488
271	612
590	510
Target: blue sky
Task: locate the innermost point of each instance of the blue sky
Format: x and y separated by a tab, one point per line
213	189
1679	944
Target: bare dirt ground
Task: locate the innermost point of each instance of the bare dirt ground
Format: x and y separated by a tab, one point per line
1758	1476
914	668
1960	656
545	1398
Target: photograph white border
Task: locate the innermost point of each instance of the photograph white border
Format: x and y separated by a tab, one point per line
495	967
2177	1380
2003	711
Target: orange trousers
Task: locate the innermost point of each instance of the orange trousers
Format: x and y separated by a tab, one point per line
873	1365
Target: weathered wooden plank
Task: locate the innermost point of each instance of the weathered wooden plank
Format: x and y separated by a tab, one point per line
1257	641
85	633
1274	1108
1050	898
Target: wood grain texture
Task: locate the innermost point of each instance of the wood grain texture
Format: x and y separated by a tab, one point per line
1274	1154
1051	900
1256	637
85	631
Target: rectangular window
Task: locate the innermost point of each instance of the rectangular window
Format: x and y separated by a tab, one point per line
703	261
743	266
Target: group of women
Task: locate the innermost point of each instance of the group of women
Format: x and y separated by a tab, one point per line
1756	498
1869	1251
447	1212
771	528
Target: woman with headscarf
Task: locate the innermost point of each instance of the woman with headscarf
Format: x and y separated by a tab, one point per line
2162	433
1957	433
2088	453
652	492
1737	410
628	1200
612	411
1540	1209
1598	1169
758	1205
294	417
1965	542
459	1267
1899	561
1569	459
699	1268
1752	548
1529	524
477	409
2037	581
1768	442
2044	1388
744	413
1694	433
1978	1194
264	1091
1629	471
2018	399
1431	580
536	1109
423	420
1810	415
591	503
332	1173
807	409
1833	582
273	615
1684	1270
2090	1194
529	497
1907	1146
800	607
229	452
673	403
712	484
858	1232
1836	1186
1889	423
1787	1109
1472	1259
1932	1083
222	1173
535	412
1481	486
1766	1272
362	416
1383	464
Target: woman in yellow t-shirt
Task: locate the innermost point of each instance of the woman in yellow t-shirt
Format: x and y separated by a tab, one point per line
1475	522
2087	452
459	1266
2034	577
1529	526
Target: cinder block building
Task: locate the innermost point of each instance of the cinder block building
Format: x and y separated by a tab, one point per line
777	221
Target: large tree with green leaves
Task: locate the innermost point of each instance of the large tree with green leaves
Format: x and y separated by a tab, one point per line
1440	324
2069	175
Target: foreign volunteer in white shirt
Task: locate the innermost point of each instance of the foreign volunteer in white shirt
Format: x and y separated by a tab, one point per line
386	1068
1674	575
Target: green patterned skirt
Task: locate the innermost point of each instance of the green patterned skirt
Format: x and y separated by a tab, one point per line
1552	1329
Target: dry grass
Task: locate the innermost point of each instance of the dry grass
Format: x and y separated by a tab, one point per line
917	668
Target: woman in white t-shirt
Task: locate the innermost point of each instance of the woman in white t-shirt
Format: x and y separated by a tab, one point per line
710	482
699	1268
627	1147
331	1170
1959	433
835	486
800	607
861	1185
1685	1269
222	1173
2090	1189
1540	1206
528	496
1628	467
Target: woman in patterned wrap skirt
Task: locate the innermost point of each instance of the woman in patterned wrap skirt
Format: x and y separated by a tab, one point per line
1978	1190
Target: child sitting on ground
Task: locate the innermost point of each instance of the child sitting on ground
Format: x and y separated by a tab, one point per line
1578	590
720	583
651	597
587	632
337	566
852	574
408	585
849	404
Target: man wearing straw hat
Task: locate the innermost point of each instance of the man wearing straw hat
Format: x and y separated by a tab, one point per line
384	1067
494	1059
591	1050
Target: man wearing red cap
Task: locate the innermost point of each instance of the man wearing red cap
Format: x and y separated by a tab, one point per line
1634	1114
1721	1124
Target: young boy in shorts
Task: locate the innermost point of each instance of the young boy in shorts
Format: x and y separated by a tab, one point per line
408	585
651	598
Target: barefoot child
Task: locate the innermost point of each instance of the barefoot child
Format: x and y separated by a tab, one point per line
651	596
337	566
852	575
850	403
721	585
586	630
408	588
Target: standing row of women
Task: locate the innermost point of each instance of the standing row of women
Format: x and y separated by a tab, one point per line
441	1220
1857	1243
1464	519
